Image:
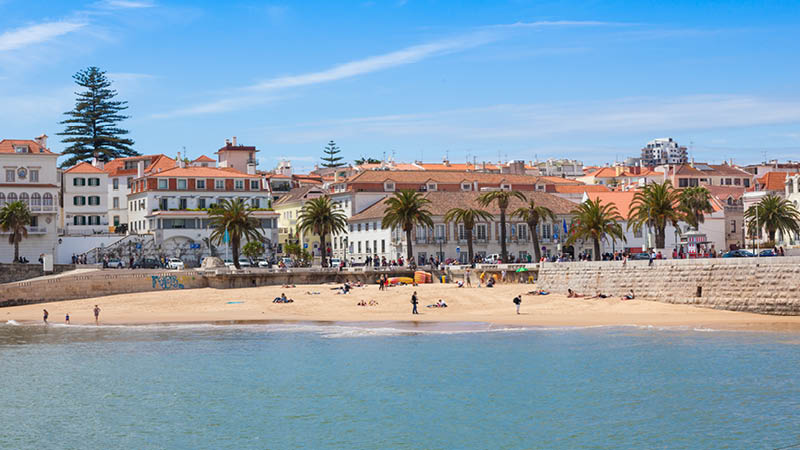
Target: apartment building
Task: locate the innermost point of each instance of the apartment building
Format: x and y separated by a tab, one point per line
121	173
30	175
288	208
663	151
85	195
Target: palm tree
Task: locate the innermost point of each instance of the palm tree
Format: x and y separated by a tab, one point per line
234	217
15	217
404	210
502	198
773	214
694	203
467	216
597	222
655	206
321	217
532	214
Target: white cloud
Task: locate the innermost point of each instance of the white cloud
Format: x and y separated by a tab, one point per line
408	55
35	34
514	123
126	4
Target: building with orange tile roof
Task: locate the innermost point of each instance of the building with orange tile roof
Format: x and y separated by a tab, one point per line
30	175
85	196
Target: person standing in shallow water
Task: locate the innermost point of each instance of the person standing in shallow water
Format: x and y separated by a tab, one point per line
45	315
414	302
96	314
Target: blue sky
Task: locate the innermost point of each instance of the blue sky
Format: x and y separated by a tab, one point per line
418	79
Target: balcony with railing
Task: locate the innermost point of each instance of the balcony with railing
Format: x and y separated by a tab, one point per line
31	230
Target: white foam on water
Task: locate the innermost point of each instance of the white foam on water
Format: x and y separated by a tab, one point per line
13	322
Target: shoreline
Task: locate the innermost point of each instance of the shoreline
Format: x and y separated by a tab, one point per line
319	305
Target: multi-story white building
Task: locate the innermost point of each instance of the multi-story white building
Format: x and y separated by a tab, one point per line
173	204
569	168
121	173
29	175
663	151
85	195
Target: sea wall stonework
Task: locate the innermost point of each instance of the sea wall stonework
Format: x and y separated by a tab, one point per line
758	285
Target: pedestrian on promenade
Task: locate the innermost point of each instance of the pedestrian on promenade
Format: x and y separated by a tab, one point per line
414	302
652	256
518	301
96	314
45	315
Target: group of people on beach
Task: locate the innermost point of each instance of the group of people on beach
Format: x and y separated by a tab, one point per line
572	294
96	310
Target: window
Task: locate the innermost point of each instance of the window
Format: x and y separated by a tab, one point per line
79	220
505	187
238	185
466	187
23	197
733	226
375	246
130	182
462	232
79	200
637	233
546	231
351	227
522	231
182	203
94	200
36	200
254	185
388	186
116	221
481	231
383	245
737	181
163	183
200	184
201	203
366	226
10	174
683	182
115	183
79	181
94	181
34	175
358	226
115	202
254	203
219	184
359	246
12	197
163	204
431	187
727	181
94	220
746	182
183	184
439	231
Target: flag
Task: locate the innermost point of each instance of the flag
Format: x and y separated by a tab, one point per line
565	225
226	237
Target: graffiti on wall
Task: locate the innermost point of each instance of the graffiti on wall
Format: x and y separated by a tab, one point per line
167	282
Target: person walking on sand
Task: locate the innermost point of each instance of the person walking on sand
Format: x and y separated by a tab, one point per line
518	301
45	315
414	302
96	314
66	320
467	277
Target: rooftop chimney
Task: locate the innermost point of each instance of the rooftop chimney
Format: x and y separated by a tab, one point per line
140	168
234	141
97	162
251	168
41	140
227	142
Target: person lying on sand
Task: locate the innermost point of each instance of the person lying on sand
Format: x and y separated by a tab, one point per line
439	304
599	295
573	294
288	286
539	292
312	292
629	296
460	284
373	303
282	299
361	303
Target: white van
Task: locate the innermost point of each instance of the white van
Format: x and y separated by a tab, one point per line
493	258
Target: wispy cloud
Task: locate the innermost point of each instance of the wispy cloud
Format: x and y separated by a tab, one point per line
408	55
125	4
513	123
36	34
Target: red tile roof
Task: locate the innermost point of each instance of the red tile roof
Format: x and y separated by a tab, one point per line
7	146
575	189
202	172
116	167
773	181
84	167
231	147
204	158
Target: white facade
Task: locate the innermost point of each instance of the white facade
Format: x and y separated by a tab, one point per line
663	151
85	191
29	174
569	168
366	238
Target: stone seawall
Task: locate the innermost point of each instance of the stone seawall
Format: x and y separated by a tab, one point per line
16	272
758	285
115	281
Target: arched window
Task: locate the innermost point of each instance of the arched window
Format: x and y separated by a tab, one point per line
36	199
24	198
12	197
2	199
730	201
47	199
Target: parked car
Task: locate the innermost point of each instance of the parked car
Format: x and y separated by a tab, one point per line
262	262
287	262
767	252
741	253
640	257
228	262
148	263
175	264
115	264
336	262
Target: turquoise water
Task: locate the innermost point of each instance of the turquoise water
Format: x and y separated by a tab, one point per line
319	386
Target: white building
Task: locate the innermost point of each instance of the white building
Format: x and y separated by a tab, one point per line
569	168
30	176
663	151
121	173
85	194
173	206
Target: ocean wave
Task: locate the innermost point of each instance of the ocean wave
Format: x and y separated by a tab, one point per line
13	322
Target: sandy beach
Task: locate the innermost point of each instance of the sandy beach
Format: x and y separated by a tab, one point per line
464	305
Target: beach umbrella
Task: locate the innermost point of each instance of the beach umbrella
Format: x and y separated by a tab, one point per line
522	269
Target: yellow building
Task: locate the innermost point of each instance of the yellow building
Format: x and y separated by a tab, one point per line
288	208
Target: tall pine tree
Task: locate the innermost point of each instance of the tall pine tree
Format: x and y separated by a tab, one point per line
91	128
330	159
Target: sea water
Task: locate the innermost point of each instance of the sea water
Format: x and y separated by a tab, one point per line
395	386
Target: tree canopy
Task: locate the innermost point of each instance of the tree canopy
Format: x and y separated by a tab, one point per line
330	158
92	126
